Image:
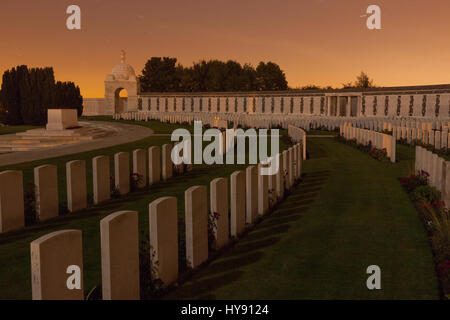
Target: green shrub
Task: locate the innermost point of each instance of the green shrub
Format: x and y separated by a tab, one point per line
426	193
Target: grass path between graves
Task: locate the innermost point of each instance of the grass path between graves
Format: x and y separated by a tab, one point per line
349	212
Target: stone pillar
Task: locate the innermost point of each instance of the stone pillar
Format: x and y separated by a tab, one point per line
119	235
140	167
56	261
167	166
101	179
219	211
11	201
76	185
252	194
163	219
196	226
154	165
122	172
263	193
238	205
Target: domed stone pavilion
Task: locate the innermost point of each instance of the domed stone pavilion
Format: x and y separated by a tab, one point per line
122	77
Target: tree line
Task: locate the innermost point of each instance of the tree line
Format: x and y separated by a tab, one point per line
362	82
165	75
27	93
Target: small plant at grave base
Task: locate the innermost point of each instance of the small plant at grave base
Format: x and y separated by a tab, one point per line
212	226
178	170
436	219
115	192
413	181
378	154
135	181
287	140
63	210
30	204
427	193
271	197
150	286
95	293
444	273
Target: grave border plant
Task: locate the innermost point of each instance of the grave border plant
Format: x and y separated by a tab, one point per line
436	220
378	154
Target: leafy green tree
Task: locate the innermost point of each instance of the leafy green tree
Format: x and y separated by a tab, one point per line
348	85
270	77
311	87
363	81
164	75
160	75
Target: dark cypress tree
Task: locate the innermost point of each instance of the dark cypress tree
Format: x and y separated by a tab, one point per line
68	96
27	94
11	97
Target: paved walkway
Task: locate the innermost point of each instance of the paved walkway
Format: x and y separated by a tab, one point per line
123	133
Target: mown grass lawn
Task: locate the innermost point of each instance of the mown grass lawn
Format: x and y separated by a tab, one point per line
15	277
348	213
15	129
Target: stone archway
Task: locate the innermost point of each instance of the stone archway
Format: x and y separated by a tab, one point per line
122	77
120	100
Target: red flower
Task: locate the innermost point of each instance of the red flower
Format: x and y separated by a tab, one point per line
444	268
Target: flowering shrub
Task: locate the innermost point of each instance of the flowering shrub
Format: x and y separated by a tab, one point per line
426	193
444	268
375	153
413	181
378	154
436	218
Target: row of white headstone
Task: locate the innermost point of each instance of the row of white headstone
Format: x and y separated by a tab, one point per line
376	139
217	120
247	195
298	135
46	183
437	168
305	122
438	139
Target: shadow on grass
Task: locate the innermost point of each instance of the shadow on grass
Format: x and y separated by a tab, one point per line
251	247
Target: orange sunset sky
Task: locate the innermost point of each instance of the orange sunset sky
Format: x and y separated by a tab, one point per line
322	42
